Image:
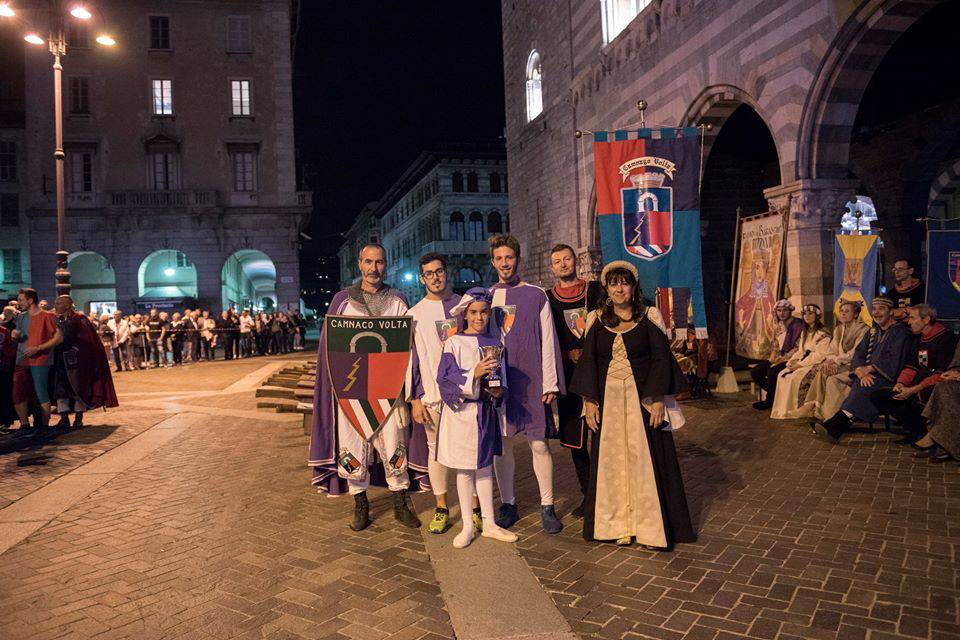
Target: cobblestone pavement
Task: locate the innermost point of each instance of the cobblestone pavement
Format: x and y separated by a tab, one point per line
217	535
797	539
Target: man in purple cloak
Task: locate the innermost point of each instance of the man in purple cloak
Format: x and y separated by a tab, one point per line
340	457
535	372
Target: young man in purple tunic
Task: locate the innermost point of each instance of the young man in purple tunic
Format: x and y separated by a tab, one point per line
535	371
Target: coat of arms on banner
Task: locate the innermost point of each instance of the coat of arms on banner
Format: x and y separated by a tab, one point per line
853	273
576	320
367	359
953	268
446	328
647	215
505	315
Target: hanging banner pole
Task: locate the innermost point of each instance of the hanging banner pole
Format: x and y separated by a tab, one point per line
727	380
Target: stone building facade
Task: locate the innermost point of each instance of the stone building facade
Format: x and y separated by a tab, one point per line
448	201
14	258
802	100
179	144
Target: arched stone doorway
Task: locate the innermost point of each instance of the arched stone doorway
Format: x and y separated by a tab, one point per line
248	280
167	273
93	282
741	162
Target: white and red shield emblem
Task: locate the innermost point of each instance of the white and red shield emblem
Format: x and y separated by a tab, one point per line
647	216
576	320
505	314
446	329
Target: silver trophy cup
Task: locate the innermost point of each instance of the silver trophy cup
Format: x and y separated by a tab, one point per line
492	380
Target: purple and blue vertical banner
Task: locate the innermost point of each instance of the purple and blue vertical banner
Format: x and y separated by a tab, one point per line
943	272
648	210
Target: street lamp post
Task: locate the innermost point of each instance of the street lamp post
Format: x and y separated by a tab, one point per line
57	44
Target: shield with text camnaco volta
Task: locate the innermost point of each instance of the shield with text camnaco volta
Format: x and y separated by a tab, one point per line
367	360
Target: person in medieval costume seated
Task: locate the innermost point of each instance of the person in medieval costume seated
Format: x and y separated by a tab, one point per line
472	385
81	377
786	332
846	335
341	458
881	355
942	411
695	355
935	345
624	374
795	380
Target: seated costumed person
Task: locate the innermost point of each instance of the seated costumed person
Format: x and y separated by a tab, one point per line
625	370
694	356
881	355
931	356
795	380
81	372
786	332
846	335
942	411
472	385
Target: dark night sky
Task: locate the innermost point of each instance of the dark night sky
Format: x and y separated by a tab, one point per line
376	83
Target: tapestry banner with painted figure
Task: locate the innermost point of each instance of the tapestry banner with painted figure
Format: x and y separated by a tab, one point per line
855	272
367	359
943	272
648	208
758	284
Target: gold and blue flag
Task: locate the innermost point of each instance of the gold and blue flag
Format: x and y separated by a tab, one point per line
855	272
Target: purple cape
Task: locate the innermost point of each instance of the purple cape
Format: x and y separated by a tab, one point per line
323	436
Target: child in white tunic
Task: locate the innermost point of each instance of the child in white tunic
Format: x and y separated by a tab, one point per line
468	436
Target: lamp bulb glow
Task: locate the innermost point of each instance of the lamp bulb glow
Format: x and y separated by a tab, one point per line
106	40
169	272
81	12
33	38
6	11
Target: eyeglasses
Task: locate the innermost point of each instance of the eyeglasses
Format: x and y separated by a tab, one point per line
429	275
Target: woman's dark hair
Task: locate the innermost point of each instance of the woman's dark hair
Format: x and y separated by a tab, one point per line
607	315
817	325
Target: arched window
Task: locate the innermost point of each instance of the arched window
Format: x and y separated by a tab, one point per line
457	179
615	15
534	89
457	231
475	226
495	183
494	222
472	184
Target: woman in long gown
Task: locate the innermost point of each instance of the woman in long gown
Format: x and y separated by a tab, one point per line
813	346
625	370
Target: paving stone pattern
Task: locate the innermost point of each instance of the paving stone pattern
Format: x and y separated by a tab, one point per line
797	539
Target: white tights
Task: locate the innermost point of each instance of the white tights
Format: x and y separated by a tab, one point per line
505	466
482	488
436	471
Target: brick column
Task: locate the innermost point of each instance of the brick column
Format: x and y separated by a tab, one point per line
814	210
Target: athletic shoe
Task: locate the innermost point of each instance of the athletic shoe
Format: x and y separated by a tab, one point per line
440	522
551	523
477	520
508	516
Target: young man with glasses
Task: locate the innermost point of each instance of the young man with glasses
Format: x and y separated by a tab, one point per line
433	324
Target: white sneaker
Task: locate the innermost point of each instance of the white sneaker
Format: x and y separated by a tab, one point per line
464	538
491	530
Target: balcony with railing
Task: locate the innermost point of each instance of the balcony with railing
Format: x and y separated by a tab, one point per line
183	198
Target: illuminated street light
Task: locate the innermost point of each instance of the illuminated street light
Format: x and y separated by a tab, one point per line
106	40
6	11
169	272
33	38
81	12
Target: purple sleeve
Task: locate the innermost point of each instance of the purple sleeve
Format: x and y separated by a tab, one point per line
450	378
794	331
416	381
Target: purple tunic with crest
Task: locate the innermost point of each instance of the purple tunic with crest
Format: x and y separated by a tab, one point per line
533	359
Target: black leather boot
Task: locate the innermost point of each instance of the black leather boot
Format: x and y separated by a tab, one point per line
361	512
402	511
